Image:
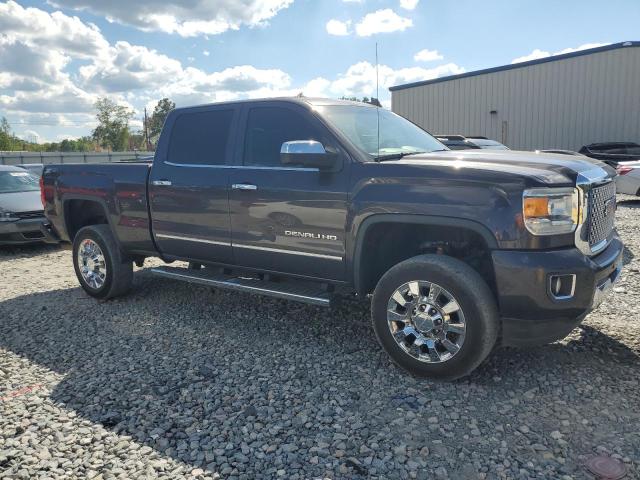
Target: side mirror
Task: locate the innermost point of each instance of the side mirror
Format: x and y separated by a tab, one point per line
307	153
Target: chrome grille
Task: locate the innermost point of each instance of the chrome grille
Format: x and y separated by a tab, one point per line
602	209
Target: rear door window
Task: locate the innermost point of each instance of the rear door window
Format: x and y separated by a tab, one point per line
201	138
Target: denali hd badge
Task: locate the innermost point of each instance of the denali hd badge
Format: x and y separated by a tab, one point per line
317	236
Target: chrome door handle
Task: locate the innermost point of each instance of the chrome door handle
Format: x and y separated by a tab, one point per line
243	186
161	183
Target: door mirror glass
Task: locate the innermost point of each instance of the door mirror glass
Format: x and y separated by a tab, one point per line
307	153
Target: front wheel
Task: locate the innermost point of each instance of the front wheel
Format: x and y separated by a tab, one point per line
101	268
435	316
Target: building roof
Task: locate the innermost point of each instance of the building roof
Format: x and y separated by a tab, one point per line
553	58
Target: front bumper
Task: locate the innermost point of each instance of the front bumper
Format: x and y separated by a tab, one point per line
22	232
530	314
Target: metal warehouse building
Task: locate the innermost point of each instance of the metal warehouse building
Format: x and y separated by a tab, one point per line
565	101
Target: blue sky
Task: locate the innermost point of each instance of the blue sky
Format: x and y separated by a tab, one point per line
57	57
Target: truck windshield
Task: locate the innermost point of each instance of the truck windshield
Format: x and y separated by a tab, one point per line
15	181
397	136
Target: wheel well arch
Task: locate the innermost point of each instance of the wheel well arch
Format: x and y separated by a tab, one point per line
79	212
387	239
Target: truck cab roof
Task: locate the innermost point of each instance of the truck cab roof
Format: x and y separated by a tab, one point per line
306	101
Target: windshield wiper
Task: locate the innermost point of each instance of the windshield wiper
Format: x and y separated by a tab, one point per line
394	156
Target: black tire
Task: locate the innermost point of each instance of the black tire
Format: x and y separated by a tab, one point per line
119	268
471	293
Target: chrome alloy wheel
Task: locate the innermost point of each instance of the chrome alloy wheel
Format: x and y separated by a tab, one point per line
426	321
91	263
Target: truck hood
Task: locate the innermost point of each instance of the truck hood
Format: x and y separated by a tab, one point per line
545	167
21	201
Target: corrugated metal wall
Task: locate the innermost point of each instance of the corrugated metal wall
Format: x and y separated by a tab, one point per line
560	104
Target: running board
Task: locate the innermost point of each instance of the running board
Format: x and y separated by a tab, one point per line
297	291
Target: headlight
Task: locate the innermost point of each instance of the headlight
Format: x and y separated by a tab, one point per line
7	216
551	211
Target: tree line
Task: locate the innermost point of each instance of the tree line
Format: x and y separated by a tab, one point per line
113	132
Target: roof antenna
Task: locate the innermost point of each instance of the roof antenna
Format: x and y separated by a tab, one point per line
377	98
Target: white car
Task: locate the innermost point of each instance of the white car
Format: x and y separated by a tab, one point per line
628	179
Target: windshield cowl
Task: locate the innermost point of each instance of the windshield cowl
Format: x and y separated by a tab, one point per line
394	156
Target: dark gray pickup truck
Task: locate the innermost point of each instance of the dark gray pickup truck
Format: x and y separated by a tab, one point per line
309	200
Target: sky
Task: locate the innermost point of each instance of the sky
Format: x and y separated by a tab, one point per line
58	56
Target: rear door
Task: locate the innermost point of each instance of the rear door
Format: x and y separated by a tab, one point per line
286	218
188	186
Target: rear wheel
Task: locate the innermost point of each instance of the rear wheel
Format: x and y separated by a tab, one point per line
435	316
102	270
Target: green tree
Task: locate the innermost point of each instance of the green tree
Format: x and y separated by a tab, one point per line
372	100
137	141
67	145
85	144
6	140
113	124
159	115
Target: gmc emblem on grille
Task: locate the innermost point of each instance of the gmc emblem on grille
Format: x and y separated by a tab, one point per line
610	206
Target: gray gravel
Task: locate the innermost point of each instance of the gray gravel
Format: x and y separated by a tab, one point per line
177	381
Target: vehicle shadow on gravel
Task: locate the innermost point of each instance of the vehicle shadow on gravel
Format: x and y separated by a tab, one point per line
202	376
11	252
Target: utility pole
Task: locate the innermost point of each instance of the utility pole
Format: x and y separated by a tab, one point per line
146	130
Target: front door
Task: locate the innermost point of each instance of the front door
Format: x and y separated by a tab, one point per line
285	218
188	187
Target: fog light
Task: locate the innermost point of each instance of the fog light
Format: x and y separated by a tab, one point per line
562	287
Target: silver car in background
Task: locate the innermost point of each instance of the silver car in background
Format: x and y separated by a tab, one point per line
628	179
21	212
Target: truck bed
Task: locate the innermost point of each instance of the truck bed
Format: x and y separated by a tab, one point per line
120	189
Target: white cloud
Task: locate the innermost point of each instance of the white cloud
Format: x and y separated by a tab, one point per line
54	73
206	53
127	67
336	27
31	136
318	87
360	79
585	46
50	31
382	21
24	60
427	55
187	19
55	99
194	86
537	53
34	79
534	55
409	4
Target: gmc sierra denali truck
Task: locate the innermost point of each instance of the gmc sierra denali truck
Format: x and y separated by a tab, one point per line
308	199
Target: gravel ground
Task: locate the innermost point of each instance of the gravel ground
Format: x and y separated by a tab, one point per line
177	381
